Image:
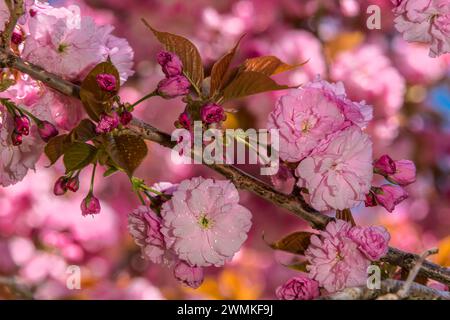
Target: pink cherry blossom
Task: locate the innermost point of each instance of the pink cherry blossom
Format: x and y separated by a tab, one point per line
373	241
389	196
145	228
204	223
384	165
190	276
339	174
307	116
368	75
334	259
426	21
298	288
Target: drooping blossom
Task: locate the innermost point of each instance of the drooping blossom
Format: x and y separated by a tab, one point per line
405	172
298	288
145	228
190	276
389	196
212	113
73	184
339	174
22	124
426	21
203	222
90	205
305	117
334	259
170	63
368	75
60	186
373	241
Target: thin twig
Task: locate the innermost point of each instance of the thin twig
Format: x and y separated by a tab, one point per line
18	288
242	180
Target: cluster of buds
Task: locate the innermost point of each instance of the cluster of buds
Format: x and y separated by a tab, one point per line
22	126
175	84
400	173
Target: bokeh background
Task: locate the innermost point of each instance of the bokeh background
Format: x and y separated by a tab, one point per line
40	234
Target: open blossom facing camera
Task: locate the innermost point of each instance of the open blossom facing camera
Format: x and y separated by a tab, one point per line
190	276
298	288
426	21
339	174
334	259
307	116
372	241
203	223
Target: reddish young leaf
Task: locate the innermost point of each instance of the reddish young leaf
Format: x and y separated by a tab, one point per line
268	65
296	242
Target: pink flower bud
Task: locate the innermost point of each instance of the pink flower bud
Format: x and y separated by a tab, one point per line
73	184
90	205
16	138
170	63
283	180
60	186
106	82
298	288
107	123
190	276
370	200
405	173
16	38
389	196
47	131
185	120
125	117
22	124
385	165
372	241
212	113
173	87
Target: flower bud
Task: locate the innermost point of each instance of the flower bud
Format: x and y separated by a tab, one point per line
16	138
22	124
389	196
106	82
60	186
47	131
90	205
73	184
212	113
384	165
370	200
107	123
125	117
185	120
16	38
190	276
405	173
170	63
298	288
173	87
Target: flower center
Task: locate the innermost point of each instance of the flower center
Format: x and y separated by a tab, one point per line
204	222
62	47
306	126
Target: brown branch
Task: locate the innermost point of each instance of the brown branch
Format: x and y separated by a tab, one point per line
18	288
242	180
389	290
16	10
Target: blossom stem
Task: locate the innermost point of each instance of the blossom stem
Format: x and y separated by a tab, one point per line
151	94
91	188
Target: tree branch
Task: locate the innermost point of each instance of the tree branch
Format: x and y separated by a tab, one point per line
16	10
389	288
18	288
242	180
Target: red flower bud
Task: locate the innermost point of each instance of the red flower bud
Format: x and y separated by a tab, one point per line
22	125
16	138
73	184
170	63
185	120
212	113
106	82
384	165
17	38
90	205
60	186
125	118
47	130
173	87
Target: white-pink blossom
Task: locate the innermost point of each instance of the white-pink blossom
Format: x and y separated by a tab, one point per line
203	222
339	174
334	259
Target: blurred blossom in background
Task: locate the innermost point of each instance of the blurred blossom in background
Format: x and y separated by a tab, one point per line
40	235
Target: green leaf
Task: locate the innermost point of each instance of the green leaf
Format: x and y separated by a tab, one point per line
220	68
268	65
95	100
85	131
127	150
78	155
250	82
298	266
110	171
296	242
54	149
186	51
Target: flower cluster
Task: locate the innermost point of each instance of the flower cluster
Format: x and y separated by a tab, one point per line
339	256
426	22
321	131
201	225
